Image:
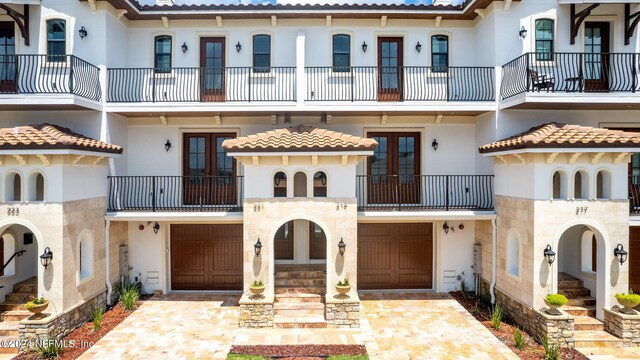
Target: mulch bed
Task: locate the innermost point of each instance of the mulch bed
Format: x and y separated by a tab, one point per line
295	352
532	350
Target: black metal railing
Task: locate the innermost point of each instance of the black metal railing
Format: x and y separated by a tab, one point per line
175	193
49	74
402	83
424	192
634	195
198	84
571	72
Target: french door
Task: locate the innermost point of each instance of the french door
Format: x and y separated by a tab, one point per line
212	68
8	66
390	69
394	169
209	173
596	57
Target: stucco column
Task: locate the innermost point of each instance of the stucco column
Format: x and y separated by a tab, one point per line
301	242
301	81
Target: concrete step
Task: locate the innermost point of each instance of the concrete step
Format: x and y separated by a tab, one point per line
293	322
299	298
12	305
592	339
9	328
9	340
14	315
19	297
574	292
588	323
301	282
582	301
300	275
26	288
589	310
300	290
298	309
567	281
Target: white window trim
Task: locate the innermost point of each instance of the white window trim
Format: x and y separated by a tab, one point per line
341	74
173	52
42	46
532	41
271	47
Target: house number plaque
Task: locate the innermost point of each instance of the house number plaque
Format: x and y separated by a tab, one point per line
581	210
13	211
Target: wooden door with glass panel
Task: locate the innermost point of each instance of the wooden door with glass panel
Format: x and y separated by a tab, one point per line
8	66
596	57
390	69
394	169
209	174
212	68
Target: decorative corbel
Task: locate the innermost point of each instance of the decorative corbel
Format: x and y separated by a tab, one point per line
577	19
22	20
630	23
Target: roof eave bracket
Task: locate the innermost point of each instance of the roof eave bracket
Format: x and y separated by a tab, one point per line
630	23
22	20
577	19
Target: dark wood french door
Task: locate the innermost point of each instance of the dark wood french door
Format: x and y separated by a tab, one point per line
212	67
394	169
8	66
283	242
317	242
390	69
634	258
596	57
210	175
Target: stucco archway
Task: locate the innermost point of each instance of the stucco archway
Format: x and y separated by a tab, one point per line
23	236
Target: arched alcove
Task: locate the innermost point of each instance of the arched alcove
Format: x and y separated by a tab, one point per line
280	184
13	187
513	253
581	185
300	184
320	184
559	185
603	185
36	187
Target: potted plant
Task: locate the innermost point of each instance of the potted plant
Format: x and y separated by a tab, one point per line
257	288
554	302
37	305
628	302
343	287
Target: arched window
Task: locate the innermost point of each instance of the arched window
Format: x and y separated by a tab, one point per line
581	185
559	183
36	187
300	184
439	53
162	54
85	255
341	53
513	253
56	40
280	184
261	53
603	185
13	191
589	250
320	184
544	39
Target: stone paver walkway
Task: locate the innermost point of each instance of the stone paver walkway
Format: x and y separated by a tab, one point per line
394	326
607	353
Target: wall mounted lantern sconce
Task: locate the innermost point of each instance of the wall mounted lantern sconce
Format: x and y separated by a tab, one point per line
82	32
434	145
549	254
257	247
46	257
323	179
167	145
620	253
156	228
418	47
341	247
522	33
446	227
184	47
238	47
364	46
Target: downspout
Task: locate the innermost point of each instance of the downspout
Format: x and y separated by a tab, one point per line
494	267
106	265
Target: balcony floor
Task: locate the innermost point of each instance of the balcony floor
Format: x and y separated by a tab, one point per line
573	101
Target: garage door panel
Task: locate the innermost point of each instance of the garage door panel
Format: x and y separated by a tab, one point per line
374	255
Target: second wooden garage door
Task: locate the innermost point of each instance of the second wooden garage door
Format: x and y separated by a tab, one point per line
206	257
395	256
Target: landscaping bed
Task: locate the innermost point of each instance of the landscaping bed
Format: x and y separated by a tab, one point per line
298	352
506	333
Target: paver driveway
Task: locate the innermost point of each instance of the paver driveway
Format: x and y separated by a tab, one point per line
394	326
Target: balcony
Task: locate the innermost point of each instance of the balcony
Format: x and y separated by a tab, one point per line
424	192
562	80
51	75
175	193
634	195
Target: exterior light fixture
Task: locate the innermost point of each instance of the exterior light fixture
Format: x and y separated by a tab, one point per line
364	46
238	47
156	228
522	33
341	247
434	145
257	247
46	257
167	145
620	253
323	179
418	47
549	254
184	47
445	227
82	32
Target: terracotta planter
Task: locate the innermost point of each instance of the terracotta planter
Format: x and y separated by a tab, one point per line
256	290
628	306
37	309
342	290
553	309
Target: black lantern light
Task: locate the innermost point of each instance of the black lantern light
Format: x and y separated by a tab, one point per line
238	47
418	47
323	179
341	247
445	227
167	145
364	46
549	254
257	247
184	47
434	145
620	253
46	257
156	228
82	32
522	33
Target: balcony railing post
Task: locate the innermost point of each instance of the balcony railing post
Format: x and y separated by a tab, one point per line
249	83
527	75
446	193
153	86
153	194
352	73
71	58
634	73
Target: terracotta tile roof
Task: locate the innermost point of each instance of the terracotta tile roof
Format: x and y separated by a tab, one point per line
557	135
298	138
48	137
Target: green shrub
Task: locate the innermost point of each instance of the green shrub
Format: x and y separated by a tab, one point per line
257	284
49	349
245	357
496	316
551	352
629	298
556	299
96	317
129	295
463	288
518	339
344	282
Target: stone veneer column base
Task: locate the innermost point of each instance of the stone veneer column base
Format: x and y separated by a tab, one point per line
626	327
256	313
342	313
56	327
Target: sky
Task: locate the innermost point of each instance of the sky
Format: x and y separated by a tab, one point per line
180	2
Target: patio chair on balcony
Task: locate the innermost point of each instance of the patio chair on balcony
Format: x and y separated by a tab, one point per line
541	81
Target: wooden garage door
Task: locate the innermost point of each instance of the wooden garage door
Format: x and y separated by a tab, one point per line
395	256
206	257
634	258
